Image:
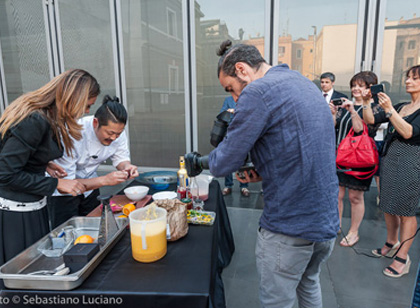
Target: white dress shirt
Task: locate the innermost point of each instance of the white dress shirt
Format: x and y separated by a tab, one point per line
329	95
89	153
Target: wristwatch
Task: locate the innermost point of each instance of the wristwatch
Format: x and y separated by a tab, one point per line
388	114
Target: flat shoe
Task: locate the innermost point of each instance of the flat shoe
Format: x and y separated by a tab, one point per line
349	240
393	273
390	253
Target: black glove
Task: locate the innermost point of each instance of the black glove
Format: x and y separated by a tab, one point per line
195	163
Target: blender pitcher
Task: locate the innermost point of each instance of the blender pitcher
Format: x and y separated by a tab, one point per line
148	233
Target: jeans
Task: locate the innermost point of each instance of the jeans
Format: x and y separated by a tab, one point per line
229	182
289	268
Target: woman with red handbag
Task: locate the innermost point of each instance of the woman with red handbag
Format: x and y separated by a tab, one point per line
349	116
400	172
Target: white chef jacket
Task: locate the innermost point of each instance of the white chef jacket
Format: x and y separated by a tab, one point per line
89	153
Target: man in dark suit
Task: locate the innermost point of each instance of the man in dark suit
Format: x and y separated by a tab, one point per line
327	86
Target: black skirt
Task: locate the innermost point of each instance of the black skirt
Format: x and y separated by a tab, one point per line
351	182
19	230
400	179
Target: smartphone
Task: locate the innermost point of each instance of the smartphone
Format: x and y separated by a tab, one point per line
337	101
375	89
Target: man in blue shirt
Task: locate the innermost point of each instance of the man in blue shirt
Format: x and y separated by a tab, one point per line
282	119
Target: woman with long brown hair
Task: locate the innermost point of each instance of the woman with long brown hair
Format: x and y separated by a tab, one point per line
400	172
35	129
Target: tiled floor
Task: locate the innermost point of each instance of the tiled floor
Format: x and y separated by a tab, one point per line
348	279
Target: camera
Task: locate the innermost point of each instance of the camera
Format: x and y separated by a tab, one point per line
337	102
247	167
375	89
195	163
220	127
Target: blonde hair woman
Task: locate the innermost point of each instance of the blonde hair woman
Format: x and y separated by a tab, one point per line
35	129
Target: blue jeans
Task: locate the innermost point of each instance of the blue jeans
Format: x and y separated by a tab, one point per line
289	267
229	182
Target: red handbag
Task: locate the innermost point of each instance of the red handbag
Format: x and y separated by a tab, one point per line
358	152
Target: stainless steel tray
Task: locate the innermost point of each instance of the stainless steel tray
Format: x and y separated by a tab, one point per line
14	272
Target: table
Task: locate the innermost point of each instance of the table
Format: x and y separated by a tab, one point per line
188	276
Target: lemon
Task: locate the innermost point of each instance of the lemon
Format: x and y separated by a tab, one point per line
128	208
84	239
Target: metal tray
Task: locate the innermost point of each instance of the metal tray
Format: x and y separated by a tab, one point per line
14	272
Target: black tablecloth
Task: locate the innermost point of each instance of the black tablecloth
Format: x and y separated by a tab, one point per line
188	276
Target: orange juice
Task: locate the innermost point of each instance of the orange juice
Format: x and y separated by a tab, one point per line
148	233
156	247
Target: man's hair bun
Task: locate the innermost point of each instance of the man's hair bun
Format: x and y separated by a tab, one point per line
224	47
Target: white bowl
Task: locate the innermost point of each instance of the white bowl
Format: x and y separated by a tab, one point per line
164	195
136	193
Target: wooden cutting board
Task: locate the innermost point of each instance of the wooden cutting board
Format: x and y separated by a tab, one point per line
120	200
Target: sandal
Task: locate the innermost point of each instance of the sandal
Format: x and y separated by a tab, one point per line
393	273
390	253
245	192
350	239
226	191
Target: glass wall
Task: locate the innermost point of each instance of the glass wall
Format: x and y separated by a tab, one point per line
319	36
312	37
401	46
217	21
24	46
87	41
154	67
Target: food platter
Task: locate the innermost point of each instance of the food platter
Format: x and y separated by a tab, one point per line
158	180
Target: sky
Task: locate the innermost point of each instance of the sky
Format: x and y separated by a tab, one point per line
296	17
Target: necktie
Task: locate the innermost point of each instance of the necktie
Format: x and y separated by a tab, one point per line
325	94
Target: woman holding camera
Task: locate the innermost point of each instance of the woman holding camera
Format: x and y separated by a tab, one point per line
34	130
400	172
346	116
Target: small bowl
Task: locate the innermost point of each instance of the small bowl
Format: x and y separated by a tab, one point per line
164	195
136	193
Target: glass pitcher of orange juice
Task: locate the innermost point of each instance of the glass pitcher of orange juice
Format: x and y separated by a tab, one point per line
148	233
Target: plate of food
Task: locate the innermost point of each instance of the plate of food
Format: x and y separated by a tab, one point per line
200	217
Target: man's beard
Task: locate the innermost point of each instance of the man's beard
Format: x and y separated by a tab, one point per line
242	82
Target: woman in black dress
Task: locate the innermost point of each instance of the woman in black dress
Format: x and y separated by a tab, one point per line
400	172
34	130
349	115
